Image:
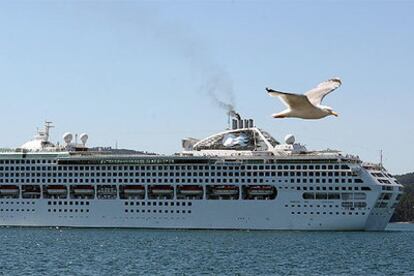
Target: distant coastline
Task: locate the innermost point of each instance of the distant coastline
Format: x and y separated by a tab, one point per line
405	209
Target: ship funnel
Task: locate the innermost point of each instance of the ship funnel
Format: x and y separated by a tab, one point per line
234	124
251	123
239	123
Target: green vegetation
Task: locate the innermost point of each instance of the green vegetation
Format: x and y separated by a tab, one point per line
405	210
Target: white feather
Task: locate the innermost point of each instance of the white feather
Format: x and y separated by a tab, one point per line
307	106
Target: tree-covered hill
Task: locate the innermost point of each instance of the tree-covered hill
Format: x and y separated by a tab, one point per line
405	210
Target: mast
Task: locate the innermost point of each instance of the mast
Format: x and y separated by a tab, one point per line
48	126
381	159
43	134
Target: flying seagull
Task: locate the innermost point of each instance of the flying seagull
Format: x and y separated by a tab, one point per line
307	106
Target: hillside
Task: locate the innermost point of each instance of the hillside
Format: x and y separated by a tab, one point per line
405	210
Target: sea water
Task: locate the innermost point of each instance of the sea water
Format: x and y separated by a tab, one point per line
68	251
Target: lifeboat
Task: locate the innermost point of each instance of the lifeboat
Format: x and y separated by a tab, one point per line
30	193
134	190
30	190
83	190
191	190
260	190
56	189
225	190
9	190
162	190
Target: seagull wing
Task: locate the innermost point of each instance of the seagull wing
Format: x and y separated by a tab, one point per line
317	94
292	101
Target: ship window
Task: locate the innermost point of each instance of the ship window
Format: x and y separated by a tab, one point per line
360	196
333	196
308	196
360	204
321	196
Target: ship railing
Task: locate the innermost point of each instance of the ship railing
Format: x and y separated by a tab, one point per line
7	150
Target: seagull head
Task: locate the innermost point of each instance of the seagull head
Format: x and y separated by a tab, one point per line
330	111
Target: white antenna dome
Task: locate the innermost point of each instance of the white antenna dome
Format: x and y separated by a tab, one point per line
68	137
290	139
84	138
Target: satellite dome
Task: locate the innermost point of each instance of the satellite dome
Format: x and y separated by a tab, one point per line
84	138
67	137
290	139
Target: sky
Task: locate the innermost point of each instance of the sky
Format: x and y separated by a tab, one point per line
142	73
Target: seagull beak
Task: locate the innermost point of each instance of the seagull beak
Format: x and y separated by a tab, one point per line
334	113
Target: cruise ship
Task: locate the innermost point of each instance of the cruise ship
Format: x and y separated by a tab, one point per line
241	178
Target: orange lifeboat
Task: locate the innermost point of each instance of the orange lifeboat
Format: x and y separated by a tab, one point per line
162	190
225	190
56	189
83	190
134	190
9	190
263	190
191	190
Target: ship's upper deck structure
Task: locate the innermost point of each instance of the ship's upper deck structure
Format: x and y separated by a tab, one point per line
243	141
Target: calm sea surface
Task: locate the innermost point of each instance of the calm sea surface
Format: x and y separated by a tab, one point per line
50	251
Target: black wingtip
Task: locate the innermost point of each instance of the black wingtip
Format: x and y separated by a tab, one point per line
337	79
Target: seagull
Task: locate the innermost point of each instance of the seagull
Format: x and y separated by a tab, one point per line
307	106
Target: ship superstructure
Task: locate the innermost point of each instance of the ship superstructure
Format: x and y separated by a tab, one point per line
241	178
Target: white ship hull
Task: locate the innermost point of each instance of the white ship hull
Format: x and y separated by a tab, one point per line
195	214
255	184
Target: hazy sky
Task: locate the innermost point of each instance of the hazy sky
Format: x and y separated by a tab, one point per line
139	72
